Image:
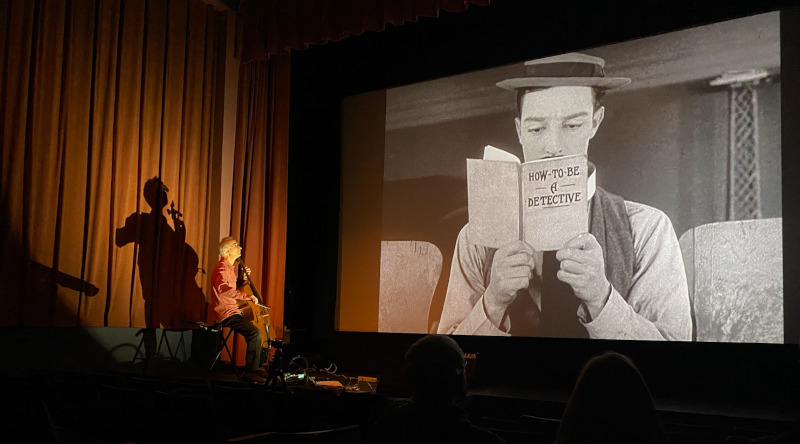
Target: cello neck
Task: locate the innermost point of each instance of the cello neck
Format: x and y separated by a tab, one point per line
249	281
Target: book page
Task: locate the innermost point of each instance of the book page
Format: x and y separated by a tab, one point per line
555	204
494	153
493	196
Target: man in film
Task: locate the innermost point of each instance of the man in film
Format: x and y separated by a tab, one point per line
624	279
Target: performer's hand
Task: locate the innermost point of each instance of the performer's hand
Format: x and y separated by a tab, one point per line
583	268
254	299
511	271
247	270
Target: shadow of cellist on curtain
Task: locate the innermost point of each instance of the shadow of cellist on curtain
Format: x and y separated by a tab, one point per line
167	265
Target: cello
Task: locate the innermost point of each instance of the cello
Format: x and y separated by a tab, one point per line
257	313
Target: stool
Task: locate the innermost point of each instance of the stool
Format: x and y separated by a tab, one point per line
223	344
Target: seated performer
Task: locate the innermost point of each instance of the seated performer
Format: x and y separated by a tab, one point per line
224	294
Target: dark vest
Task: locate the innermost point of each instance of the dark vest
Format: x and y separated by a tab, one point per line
609	223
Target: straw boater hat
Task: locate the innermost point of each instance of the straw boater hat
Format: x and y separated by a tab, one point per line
572	69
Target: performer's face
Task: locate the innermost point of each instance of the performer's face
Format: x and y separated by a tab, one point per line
234	251
557	121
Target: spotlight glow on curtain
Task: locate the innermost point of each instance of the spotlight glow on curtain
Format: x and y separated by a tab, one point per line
108	119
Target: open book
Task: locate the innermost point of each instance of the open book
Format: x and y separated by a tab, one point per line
543	202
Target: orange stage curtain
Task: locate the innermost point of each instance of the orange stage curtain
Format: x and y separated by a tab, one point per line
108	117
260	177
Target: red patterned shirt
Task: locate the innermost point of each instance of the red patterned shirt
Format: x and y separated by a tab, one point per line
223	290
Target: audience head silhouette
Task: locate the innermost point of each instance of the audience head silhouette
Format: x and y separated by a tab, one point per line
435	368
610	403
434	365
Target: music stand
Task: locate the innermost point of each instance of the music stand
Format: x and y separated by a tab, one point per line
145	357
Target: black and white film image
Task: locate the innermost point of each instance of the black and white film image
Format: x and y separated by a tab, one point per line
682	189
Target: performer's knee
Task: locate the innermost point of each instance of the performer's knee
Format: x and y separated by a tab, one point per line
253	334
